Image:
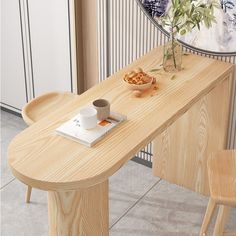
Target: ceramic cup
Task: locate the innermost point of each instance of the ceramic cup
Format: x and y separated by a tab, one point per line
88	118
103	108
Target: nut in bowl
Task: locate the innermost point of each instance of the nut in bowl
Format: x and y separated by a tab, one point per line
138	80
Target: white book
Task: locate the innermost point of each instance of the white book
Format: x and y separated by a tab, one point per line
72	130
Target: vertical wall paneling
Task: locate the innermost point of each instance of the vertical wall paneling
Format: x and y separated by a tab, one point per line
126	33
130	34
103	38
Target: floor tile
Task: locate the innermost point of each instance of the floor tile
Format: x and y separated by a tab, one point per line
130	183
20	218
166	210
11	125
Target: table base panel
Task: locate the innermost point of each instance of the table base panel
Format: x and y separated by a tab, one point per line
181	151
77	213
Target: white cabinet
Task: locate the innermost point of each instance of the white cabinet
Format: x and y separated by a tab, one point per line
37	49
50	44
13	84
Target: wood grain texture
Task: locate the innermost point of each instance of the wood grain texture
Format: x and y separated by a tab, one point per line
42	159
180	153
222	177
40	106
86	43
90	42
79	213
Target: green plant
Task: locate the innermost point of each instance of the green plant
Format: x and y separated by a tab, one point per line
184	15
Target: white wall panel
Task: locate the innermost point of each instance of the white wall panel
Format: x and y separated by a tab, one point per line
49	37
13	86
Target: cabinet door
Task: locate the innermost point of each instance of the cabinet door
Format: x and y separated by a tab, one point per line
50	45
13	89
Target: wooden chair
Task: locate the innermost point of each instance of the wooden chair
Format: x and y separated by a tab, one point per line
37	108
222	182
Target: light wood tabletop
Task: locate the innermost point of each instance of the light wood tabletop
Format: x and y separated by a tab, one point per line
42	159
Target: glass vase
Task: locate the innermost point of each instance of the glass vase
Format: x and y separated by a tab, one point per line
172	59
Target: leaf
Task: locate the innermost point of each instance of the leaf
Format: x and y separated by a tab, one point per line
154	70
183	31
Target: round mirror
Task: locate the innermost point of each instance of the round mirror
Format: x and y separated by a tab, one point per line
219	39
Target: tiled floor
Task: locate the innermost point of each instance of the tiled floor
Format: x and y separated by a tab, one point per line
140	204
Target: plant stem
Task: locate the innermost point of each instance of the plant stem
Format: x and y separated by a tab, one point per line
172	46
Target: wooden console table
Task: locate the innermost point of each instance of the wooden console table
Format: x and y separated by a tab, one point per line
187	117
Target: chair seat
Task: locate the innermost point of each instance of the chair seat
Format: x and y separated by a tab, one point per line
39	107
222	177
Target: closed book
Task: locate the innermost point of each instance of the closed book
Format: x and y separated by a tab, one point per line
72	130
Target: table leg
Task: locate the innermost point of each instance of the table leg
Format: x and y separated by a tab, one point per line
81	212
28	194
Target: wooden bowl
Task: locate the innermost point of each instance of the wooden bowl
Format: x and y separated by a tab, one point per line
138	86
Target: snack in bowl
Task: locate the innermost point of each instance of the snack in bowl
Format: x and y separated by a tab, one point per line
138	80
